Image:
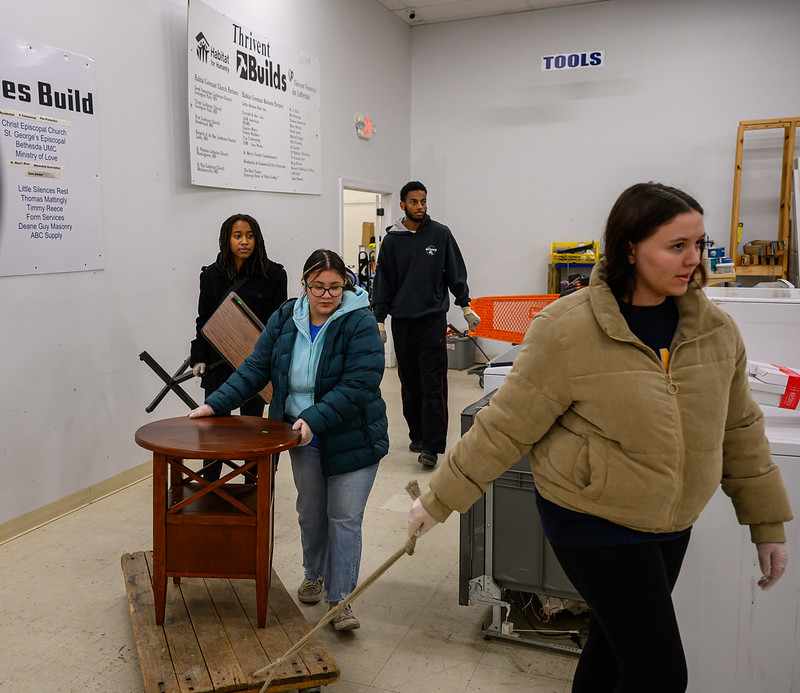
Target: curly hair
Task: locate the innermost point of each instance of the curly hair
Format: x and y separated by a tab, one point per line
257	263
408	187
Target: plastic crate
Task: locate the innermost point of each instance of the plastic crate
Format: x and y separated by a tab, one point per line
560	252
521	557
507	318
460	352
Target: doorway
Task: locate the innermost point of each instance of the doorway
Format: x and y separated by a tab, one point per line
359	246
362	225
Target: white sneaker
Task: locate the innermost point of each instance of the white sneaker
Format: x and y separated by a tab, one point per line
344	620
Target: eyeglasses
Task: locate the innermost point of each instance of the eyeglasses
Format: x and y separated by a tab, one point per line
319	291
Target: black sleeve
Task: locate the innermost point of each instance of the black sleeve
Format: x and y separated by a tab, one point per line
278	295
264	295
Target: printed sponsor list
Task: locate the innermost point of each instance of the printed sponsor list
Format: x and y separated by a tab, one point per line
299	155
254	151
37	151
49	161
212	104
258	114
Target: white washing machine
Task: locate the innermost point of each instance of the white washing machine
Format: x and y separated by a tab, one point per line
738	638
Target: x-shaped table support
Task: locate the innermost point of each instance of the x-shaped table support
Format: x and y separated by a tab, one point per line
173	382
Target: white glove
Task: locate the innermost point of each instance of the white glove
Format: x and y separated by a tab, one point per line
198	369
419	519
472	318
772	557
382	328
202	410
306	434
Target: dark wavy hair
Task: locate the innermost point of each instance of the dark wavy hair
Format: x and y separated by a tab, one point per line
636	215
408	187
321	260
257	263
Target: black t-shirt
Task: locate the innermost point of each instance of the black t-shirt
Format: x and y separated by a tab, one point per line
655	326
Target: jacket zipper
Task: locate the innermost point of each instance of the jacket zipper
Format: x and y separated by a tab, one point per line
672	389
326	347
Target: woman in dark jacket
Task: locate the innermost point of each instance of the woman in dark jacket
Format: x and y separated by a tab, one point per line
324	355
242	266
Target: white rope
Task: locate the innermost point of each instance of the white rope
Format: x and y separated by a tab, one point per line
412	488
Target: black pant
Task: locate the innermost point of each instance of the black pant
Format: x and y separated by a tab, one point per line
421	350
634	644
252	407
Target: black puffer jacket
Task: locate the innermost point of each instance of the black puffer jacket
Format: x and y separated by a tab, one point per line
263	295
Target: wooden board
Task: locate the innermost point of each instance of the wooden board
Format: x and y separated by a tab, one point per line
209	642
233	329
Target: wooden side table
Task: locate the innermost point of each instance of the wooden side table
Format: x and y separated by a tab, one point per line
214	529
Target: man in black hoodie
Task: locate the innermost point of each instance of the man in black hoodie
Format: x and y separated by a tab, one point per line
418	264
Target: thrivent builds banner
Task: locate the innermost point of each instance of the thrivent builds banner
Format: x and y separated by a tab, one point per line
254	116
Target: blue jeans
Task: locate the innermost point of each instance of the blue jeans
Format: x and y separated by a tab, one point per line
330	510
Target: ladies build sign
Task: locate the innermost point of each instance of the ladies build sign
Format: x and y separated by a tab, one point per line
49	161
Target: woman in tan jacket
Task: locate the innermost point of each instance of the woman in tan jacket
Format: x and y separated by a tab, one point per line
632	398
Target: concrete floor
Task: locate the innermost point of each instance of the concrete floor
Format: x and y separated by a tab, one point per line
64	622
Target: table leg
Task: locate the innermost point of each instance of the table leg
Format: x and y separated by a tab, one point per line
159	535
174	490
264	518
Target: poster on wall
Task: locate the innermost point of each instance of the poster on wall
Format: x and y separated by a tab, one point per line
254	119
49	161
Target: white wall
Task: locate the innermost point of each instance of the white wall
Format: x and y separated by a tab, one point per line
73	388
515	158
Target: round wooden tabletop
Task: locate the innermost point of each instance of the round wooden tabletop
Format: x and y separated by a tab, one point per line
220	437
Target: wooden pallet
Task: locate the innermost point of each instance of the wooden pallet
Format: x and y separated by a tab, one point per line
209	642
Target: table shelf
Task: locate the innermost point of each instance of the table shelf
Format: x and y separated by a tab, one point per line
219	529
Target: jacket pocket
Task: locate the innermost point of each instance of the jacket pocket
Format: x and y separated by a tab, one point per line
365	428
591	467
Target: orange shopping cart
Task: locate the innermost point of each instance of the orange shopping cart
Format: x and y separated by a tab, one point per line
507	318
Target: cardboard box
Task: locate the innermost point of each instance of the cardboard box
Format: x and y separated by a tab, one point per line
367	232
770	373
776	386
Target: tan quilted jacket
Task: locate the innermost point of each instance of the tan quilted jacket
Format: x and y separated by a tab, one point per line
612	434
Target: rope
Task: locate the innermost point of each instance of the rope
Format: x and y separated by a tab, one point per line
412	488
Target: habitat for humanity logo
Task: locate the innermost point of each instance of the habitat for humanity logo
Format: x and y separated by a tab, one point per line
205	50
203	47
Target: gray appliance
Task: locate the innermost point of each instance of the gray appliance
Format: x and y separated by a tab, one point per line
503	549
